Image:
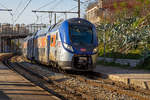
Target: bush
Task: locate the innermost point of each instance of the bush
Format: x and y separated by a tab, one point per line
126	38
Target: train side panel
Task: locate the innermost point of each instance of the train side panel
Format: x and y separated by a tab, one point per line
64	58
24	50
31	48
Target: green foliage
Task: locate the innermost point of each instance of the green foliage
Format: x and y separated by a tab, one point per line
125	36
128	34
115	5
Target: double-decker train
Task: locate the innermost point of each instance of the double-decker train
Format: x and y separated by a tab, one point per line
71	44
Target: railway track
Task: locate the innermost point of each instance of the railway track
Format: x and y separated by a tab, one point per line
76	86
41	81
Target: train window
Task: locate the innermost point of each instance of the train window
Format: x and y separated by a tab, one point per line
81	34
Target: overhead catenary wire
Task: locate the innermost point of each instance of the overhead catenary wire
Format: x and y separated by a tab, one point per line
23	10
57	2
3	6
46	5
75	7
9	11
18	6
66	11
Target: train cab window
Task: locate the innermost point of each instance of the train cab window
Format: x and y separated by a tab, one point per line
81	34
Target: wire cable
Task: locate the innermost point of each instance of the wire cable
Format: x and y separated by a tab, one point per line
46	5
58	3
9	12
77	6
3	6
67	10
18	6
23	10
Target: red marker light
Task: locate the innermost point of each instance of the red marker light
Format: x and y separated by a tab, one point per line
83	49
59	44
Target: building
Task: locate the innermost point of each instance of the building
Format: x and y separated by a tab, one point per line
105	9
91	12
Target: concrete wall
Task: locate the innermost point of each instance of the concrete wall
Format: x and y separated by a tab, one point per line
130	62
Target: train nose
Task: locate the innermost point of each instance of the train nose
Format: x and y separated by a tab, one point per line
82	62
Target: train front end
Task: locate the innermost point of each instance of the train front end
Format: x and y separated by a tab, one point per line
80	42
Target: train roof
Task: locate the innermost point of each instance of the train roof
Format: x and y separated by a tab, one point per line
55	26
80	21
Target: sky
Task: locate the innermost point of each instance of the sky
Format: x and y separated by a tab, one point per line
28	17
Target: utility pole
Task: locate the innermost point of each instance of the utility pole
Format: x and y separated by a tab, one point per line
79	8
50	18
55	18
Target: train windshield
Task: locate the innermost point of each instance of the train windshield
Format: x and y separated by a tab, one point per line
81	34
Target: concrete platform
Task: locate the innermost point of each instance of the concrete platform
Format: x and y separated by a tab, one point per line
15	87
139	78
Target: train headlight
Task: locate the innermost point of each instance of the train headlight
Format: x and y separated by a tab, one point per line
69	47
95	50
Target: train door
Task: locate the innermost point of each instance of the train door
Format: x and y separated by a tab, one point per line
35	49
52	47
48	49
32	48
56	46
